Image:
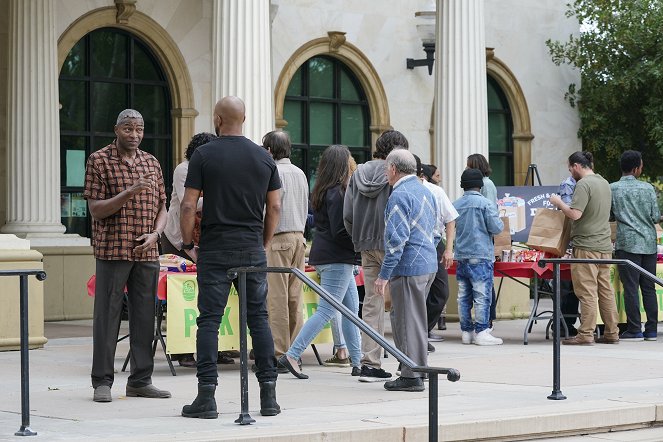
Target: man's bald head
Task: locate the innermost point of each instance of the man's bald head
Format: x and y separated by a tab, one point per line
230	112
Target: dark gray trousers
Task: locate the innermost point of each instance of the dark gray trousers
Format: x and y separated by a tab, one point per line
140	279
409	322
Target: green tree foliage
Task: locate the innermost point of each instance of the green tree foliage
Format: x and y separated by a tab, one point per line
619	53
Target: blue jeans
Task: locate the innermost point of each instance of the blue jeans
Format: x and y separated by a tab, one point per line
214	288
475	288
337	334
339	281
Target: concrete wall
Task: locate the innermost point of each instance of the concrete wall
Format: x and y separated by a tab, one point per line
21	259
518	30
188	22
385	31
65	288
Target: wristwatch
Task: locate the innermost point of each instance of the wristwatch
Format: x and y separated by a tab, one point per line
189	246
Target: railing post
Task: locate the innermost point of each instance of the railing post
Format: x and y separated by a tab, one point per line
432	407
244	416
25	363
556	394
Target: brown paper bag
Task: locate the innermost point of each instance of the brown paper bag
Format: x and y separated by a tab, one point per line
502	240
550	232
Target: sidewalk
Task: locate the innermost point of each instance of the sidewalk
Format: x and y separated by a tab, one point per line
501	395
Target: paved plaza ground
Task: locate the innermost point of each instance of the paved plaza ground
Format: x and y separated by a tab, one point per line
501	395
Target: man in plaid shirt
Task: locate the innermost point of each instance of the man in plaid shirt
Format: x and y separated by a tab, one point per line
125	193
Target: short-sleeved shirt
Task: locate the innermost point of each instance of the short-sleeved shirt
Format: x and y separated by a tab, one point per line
235	175
566	189
592	230
446	212
106	175
636	211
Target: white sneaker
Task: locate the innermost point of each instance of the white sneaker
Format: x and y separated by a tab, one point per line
485	338
467	337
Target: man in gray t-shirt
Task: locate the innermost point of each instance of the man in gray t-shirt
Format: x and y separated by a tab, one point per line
590	212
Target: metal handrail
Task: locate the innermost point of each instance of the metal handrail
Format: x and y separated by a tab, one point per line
453	375
25	362
557	315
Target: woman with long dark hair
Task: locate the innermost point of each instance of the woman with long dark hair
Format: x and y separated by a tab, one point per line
333	255
478	161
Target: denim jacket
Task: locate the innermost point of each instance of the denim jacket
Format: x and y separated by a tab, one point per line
476	224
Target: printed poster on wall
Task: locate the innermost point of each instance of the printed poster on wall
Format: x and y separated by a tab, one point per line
520	203
182	313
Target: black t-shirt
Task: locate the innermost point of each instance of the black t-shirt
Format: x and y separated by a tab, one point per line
235	175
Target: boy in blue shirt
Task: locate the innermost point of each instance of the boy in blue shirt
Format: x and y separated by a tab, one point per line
476	224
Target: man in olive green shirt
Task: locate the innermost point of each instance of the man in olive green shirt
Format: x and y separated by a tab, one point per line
635	209
590	212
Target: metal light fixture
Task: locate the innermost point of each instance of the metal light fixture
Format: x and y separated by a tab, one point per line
426	31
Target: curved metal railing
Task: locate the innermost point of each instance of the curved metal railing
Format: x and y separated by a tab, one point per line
557	315
244	418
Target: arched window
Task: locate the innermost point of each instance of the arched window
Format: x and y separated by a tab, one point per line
500	135
325	105
107	71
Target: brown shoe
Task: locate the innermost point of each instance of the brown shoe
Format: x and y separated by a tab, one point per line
606	340
577	340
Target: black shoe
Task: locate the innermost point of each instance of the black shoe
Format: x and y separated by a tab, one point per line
441	323
224	359
283	360
356	371
405	384
187	361
204	406
370	374
431	349
268	405
281	369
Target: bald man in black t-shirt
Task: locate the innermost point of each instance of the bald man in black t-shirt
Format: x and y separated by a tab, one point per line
240	182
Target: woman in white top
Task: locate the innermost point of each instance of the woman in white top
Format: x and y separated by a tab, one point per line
171	241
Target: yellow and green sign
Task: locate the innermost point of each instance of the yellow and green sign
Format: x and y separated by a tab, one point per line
182	313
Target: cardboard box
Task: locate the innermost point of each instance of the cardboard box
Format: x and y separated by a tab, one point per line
514	208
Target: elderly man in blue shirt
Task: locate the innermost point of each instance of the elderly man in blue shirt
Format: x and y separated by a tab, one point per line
635	209
410	263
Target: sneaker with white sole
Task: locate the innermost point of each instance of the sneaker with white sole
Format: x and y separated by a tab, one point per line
485	338
467	337
370	374
335	361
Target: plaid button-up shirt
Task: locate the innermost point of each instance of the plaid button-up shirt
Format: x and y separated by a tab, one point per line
106	175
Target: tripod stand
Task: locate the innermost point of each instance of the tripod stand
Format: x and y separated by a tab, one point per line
532	171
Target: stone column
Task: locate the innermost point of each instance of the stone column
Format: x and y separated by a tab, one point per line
461	109
242	63
33	133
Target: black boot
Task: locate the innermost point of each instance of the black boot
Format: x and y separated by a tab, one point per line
204	406
268	405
